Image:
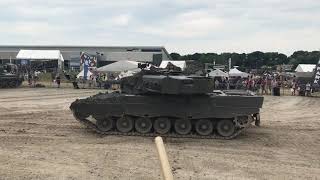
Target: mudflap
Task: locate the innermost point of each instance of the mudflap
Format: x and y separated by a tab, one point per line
257	119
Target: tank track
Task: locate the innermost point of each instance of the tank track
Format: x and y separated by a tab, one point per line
94	127
5	83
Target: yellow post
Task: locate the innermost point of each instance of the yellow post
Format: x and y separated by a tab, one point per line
165	166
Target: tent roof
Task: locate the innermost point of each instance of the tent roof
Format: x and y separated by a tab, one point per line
40	54
180	64
120	66
305	68
218	73
81	74
236	72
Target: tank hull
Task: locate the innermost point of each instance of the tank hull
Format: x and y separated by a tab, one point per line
10	81
192	107
241	110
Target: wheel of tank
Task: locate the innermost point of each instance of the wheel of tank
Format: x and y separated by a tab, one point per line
204	127
225	127
105	124
143	125
182	126
162	125
124	124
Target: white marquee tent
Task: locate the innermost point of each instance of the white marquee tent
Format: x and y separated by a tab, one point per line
218	73
305	68
235	72
120	66
41	55
181	64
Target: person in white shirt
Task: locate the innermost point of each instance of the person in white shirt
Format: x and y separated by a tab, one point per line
308	89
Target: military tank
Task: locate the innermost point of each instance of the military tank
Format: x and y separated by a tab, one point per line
9	76
167	103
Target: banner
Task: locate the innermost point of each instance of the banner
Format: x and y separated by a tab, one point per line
316	81
87	61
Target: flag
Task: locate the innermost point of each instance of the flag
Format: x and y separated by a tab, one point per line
87	61
316	81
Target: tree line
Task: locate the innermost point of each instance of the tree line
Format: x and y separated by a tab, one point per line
254	60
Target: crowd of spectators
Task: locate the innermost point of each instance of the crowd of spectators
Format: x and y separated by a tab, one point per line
264	85
98	80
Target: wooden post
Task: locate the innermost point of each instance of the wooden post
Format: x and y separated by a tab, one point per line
165	166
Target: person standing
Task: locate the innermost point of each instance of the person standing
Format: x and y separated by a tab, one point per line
253	84
75	82
35	77
99	80
29	79
269	88
308	89
238	84
228	83
294	88
263	86
58	79
216	84
274	85
94	81
250	84
53	78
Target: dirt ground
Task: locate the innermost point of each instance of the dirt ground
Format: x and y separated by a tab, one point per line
40	139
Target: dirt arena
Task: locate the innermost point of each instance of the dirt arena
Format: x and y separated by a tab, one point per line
40	139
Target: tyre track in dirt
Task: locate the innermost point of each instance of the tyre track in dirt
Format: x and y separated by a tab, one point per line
43	97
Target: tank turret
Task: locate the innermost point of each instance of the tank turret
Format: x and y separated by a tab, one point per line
163	81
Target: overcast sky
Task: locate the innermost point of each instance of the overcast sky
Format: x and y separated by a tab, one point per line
183	26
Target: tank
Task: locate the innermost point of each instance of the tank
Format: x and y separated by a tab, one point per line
167	103
9	76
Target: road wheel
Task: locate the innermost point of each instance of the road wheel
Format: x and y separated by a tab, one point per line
143	125
182	126
204	127
162	125
225	127
124	124
105	124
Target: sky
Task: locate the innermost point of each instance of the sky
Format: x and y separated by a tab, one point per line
182	26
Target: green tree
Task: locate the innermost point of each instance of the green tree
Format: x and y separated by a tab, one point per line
175	56
253	60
